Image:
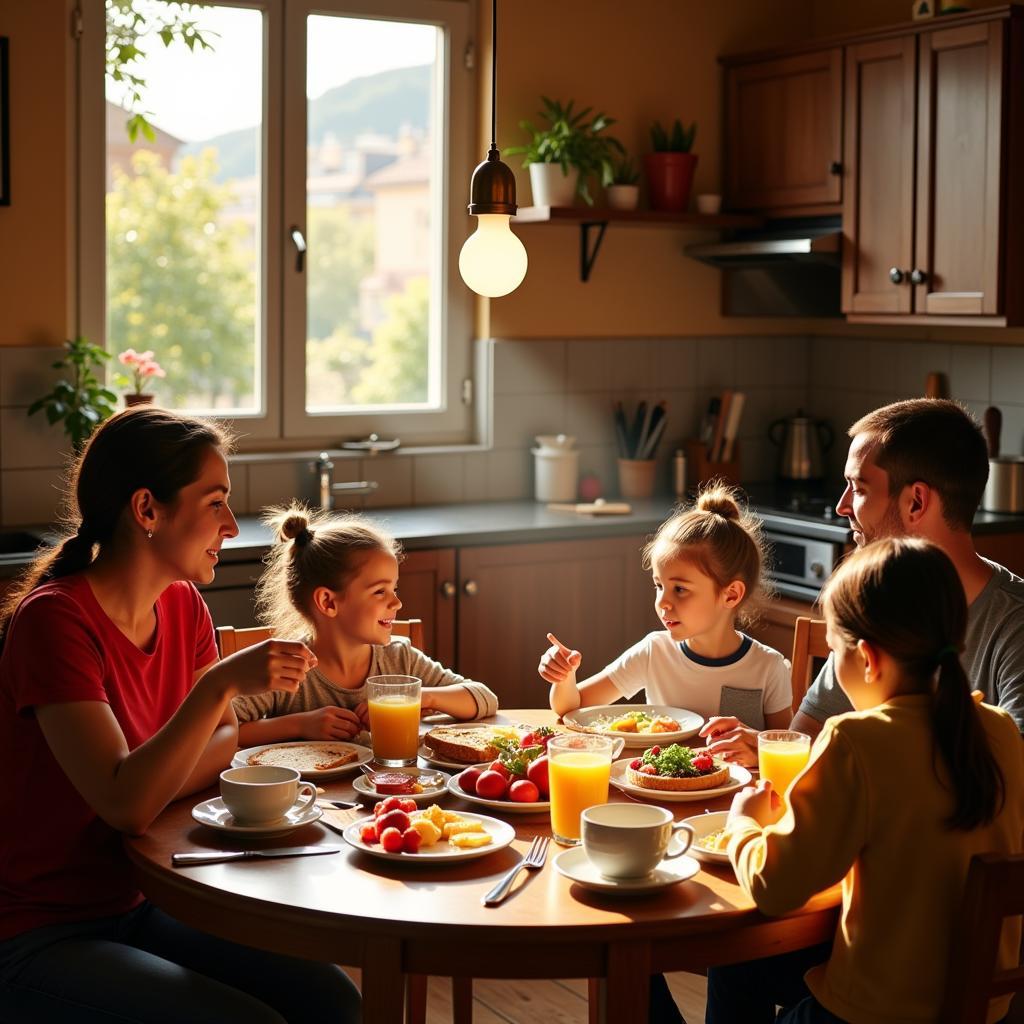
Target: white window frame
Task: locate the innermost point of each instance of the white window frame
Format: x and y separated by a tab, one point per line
281	379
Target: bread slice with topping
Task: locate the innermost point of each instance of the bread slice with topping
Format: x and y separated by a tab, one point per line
677	769
463	743
306	757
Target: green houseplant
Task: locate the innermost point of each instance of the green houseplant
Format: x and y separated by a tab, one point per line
567	152
624	193
83	401
670	167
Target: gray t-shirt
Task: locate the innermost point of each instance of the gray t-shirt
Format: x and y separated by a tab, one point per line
993	655
396	658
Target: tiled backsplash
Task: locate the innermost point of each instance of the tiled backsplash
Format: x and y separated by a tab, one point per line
569	386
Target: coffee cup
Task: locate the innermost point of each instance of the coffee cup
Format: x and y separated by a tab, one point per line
260	794
630	840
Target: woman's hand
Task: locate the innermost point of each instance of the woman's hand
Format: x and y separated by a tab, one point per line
760	802
270	665
731	740
328	723
362	713
559	663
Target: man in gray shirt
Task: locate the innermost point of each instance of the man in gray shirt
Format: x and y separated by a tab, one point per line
918	469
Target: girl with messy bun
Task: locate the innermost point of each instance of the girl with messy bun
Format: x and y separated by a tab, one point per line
334	580
707	566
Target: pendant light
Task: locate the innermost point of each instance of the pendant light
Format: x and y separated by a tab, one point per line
493	259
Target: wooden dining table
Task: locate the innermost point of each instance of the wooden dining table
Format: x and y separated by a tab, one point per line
396	920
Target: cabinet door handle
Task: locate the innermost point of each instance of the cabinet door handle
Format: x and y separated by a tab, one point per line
896	275
471	588
835	168
918	276
448	589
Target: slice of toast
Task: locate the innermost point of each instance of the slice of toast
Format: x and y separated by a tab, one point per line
306	757
462	743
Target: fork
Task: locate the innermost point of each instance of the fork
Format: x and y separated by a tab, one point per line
533	860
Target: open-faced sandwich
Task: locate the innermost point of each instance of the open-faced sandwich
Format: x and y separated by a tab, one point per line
677	768
306	757
467	744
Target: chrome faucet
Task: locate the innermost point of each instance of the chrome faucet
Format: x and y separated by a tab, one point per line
324	469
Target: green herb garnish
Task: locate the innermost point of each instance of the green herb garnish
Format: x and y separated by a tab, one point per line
672	761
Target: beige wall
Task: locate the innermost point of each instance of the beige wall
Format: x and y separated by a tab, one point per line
33	229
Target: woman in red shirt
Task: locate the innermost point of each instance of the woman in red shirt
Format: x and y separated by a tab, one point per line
113	704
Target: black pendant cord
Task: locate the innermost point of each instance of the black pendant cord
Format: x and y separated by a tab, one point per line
494	73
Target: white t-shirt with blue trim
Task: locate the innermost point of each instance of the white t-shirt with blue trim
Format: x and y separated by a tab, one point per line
750	683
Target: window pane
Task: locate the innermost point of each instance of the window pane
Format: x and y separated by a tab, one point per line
184	211
373	214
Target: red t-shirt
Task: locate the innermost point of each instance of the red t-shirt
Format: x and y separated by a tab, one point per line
59	861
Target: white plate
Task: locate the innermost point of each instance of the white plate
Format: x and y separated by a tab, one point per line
362	785
690	723
738	776
575	865
703	825
441	852
364	754
216	815
507	806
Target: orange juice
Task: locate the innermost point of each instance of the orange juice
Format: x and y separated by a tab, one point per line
781	762
395	726
578	780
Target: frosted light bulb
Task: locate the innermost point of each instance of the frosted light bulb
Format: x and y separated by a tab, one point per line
493	260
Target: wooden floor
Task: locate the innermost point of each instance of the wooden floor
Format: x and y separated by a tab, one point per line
550	1002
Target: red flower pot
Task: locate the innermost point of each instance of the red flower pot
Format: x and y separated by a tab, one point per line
133	399
669	179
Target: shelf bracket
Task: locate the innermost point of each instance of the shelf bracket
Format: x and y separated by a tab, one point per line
588	255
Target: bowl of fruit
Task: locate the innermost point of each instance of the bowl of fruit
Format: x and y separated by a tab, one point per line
515	782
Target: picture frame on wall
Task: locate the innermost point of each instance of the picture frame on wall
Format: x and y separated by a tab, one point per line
5	119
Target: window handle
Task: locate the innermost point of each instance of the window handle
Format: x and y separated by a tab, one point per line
299	242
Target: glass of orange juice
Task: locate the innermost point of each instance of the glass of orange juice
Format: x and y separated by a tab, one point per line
394	704
781	756
578	770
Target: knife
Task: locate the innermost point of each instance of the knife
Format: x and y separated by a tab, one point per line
181	860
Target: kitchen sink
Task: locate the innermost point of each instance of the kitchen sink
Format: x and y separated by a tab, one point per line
20	542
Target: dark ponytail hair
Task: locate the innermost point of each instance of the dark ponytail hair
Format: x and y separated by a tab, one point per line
142	447
904	596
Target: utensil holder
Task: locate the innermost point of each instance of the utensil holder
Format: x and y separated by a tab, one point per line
636	477
702	469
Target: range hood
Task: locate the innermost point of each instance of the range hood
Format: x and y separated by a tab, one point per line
790	268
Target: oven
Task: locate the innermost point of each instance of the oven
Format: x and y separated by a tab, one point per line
800	565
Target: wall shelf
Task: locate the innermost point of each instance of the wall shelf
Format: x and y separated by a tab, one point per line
597	219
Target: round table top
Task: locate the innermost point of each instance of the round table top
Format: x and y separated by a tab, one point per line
357	890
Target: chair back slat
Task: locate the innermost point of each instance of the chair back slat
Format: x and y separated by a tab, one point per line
808	643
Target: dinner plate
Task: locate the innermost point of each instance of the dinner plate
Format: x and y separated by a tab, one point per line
506	806
581	720
216	815
738	776
363	755
501	832
575	865
364	787
703	825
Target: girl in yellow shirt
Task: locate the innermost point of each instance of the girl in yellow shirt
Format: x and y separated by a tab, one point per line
896	799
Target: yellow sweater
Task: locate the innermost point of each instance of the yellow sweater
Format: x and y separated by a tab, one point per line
868	810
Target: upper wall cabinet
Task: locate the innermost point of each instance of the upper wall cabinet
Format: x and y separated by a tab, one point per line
782	132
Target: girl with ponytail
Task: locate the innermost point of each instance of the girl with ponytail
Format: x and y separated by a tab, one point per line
707	567
896	799
113	704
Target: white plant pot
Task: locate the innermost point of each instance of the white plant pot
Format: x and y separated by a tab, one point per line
622	197
551	187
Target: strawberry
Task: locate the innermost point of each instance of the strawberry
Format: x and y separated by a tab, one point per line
368	834
703	762
391	840
655	751
648	769
635	763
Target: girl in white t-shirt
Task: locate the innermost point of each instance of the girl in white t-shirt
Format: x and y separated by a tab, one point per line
707	565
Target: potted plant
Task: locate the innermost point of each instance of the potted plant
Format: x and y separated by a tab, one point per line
670	167
142	368
624	193
81	402
563	156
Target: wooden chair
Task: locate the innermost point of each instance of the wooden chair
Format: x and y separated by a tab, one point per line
995	890
808	644
230	639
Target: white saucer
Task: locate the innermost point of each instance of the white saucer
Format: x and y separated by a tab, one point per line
362	785
703	825
575	865
216	815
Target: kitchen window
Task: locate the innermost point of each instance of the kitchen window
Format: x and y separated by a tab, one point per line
285	239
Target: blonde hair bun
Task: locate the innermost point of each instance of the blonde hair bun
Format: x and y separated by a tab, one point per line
288	523
721	500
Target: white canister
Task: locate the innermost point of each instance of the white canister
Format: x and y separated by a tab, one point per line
555	473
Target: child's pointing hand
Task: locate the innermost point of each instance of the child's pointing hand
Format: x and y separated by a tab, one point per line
559	663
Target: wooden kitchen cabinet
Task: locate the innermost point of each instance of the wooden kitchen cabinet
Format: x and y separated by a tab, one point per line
777	622
427	587
592	594
783	133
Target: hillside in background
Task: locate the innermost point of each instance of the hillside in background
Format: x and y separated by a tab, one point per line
380	103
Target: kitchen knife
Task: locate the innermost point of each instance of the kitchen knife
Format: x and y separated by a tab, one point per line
993	422
182	860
